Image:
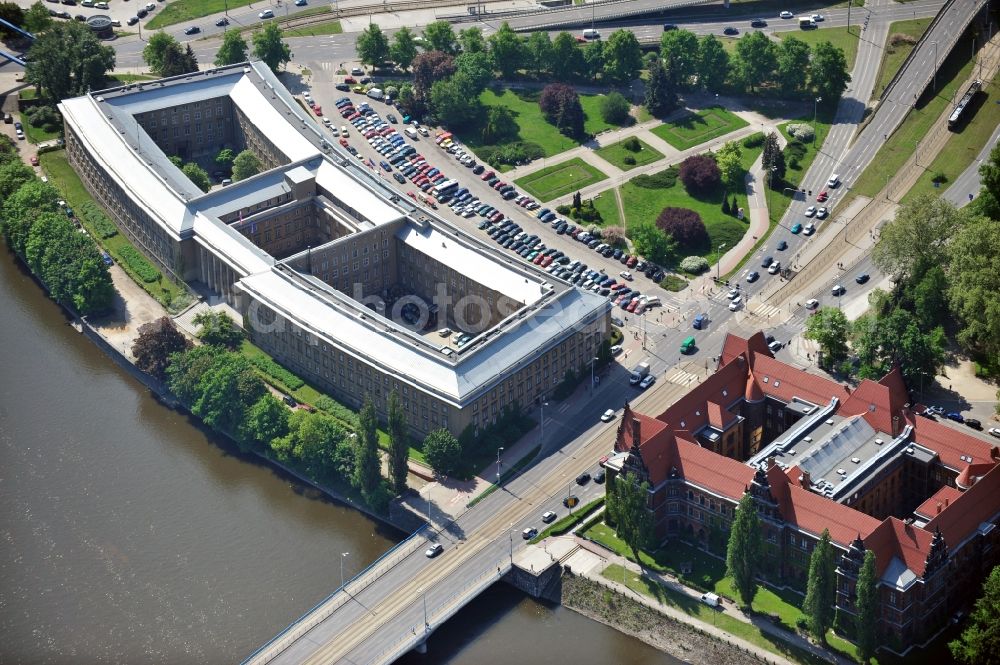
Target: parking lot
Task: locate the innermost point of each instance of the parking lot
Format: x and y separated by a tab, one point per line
421	162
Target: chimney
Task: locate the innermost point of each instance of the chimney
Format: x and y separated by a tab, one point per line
636	432
946	502
805	480
771	461
938	508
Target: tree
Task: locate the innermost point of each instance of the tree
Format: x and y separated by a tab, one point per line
506	50
828	327
633	519
622	57
979	643
972	271
866	620
615	108
684	226
156	49
729	160
988	201
793	64
930	297
773	160
567	59
177	62
12	13
713	63
156	342
821	589
225	158
472	40
477	70
743	553
265	421
372	46
884	341
399	443
654	244
315	440
593	60
404	47
661	92
33	199
267	46
538	52
499	126
216	385
679	49
443	451
233	49
561	106
246	165
755	59
37	19
917	238
66	60
13	175
197	175
454	101
429	68
828	73
367	469
218	329
700	175
438	36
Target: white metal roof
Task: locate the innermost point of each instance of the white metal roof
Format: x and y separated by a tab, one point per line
355	195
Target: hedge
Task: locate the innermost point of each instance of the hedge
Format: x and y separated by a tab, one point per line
103	226
138	264
277	372
662	180
338	411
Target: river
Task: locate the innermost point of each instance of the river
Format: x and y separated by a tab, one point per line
131	535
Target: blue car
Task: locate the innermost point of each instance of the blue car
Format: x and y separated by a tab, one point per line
957	417
796	228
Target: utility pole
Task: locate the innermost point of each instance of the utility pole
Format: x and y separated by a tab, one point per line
815	106
499	451
718	265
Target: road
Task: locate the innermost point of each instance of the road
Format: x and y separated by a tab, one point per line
966	186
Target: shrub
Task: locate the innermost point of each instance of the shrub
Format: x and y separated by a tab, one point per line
632	144
101	225
337	410
615	109
561	106
562	209
512	153
614	235
753	141
900	38
628	159
662	180
45	117
801	131
138	264
795	149
700	174
939	178
694	264
276	372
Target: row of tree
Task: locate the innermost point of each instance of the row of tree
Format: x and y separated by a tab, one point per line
166	57
34	226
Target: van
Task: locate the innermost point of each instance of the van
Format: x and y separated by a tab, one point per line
375	93
833	181
652	301
699	321
590	33
710	599
226	182
687	346
412	133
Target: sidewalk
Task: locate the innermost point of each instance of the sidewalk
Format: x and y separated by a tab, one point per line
591	560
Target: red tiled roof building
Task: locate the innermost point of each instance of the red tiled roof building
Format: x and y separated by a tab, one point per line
815	455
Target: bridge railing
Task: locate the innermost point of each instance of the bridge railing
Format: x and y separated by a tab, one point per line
337	599
443	612
916	47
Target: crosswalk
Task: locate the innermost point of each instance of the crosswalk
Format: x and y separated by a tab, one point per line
680	377
766	311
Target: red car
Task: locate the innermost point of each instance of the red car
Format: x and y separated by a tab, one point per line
34	160
343	142
318	110
823	196
350	80
486	176
411	195
632	305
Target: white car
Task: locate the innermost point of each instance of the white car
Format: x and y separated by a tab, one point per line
838	289
735	304
267	13
608	416
810	211
647	381
821	213
786	14
733	294
434	550
812	303
994	432
616	349
548	517
343	131
625	274
774	268
818	18
809	229
326	121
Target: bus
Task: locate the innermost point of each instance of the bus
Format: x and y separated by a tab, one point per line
956	116
445	187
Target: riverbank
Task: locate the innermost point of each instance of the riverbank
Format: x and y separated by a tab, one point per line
601	604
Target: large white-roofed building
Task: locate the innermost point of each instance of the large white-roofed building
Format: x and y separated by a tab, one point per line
342	280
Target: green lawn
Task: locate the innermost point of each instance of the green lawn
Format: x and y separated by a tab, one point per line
893	56
607	205
36	134
325	28
532	125
900	147
699	127
616	153
709	573
186	10
64	178
848	41
560	179
963	145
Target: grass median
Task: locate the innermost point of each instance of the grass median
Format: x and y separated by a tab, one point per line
560	179
622	153
903	36
699	127
317	29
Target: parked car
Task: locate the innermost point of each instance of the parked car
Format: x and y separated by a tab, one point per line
583	478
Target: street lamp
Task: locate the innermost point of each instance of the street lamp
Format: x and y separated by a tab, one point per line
718	265
767	198
592	361
542	407
510	537
499	450
815	106
343	555
427	626
935	65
